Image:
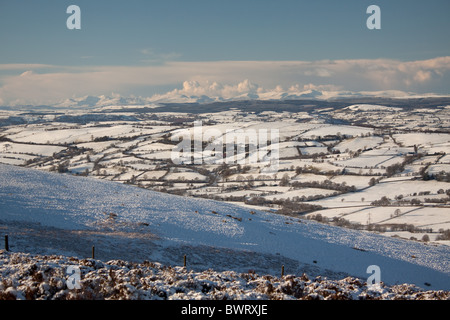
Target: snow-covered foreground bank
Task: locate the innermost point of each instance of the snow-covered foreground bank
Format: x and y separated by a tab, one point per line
25	276
48	213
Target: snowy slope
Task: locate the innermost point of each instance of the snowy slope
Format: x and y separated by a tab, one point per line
372	107
47	213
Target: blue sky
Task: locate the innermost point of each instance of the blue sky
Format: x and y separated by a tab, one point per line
116	32
154	33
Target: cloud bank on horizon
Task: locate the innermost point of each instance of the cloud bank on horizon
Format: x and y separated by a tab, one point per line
22	84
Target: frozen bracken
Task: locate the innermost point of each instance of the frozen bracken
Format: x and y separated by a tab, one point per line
34	277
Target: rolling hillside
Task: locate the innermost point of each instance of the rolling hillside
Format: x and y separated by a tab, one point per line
48	213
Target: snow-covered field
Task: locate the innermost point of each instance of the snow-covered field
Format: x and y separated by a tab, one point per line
48	213
343	160
390	187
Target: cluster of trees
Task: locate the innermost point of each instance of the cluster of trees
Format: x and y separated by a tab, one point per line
287	206
394	169
384	201
294	208
337	221
440	176
400	167
226	170
437	200
444	235
399	199
61	167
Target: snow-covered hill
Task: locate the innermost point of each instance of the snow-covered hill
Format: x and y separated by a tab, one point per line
47	213
371	107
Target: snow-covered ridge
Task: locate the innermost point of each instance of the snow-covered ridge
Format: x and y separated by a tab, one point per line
32	277
48	213
372	107
195	92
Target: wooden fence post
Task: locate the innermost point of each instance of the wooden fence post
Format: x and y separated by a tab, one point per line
184	261
93	252
6	243
282	270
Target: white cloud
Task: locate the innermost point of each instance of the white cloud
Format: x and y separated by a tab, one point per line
35	83
422	76
28	73
194	88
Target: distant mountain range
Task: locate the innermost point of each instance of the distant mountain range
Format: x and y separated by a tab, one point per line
178	96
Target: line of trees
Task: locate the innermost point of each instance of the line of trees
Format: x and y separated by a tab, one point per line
326	184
